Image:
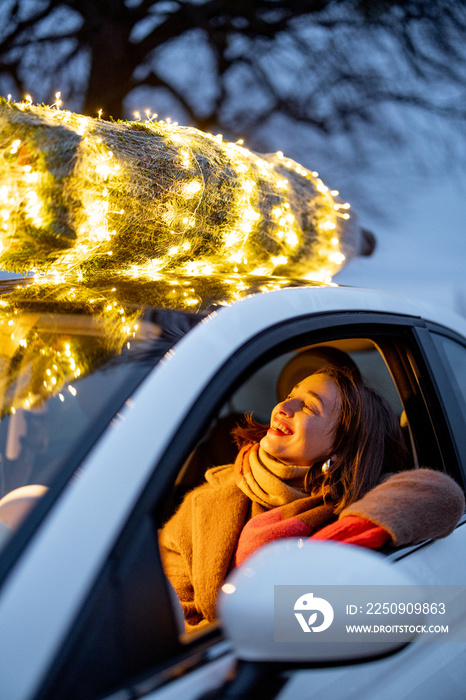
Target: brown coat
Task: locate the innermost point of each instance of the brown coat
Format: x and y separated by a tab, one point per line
198	542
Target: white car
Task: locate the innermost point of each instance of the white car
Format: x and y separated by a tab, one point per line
112	407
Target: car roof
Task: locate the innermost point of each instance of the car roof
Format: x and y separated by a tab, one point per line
342	299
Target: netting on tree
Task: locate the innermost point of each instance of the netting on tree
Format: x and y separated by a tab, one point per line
79	195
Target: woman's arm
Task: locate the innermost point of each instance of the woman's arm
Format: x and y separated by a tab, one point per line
406	508
176	550
178	575
412	506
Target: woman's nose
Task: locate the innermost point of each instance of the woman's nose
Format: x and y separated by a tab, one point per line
290	406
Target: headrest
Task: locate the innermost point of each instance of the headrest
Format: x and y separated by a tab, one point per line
309	361
15	505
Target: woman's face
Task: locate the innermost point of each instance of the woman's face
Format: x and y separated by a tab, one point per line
302	427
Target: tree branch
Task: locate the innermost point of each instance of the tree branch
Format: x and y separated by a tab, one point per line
154	80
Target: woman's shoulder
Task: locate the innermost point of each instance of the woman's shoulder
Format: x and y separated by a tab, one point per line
221	476
217	480
218	489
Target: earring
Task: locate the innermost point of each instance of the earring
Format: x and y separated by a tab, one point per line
326	465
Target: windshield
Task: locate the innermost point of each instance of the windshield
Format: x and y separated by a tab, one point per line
65	370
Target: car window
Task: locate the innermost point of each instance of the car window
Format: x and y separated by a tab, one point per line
259	394
454	356
63	377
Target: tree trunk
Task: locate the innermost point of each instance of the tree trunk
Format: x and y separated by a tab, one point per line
110	71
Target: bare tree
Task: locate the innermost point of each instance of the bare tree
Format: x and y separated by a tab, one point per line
235	64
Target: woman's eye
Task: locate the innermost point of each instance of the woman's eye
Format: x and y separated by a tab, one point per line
308	407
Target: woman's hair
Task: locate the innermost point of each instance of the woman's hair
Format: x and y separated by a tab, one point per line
368	441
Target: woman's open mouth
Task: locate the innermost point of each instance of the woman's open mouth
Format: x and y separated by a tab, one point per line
280	428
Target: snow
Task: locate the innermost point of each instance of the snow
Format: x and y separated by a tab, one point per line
422	250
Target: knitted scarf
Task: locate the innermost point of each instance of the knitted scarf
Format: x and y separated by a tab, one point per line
266	480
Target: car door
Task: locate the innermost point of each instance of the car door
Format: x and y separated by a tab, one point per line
396	342
436	358
410	381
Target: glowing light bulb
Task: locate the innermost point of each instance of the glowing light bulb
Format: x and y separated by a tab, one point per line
192	188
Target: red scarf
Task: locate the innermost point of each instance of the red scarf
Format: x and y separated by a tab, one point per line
291	513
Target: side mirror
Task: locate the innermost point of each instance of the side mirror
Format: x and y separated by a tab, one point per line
291	596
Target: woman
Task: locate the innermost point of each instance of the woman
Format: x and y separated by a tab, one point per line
331	465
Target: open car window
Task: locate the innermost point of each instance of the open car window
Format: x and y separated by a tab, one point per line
259	394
